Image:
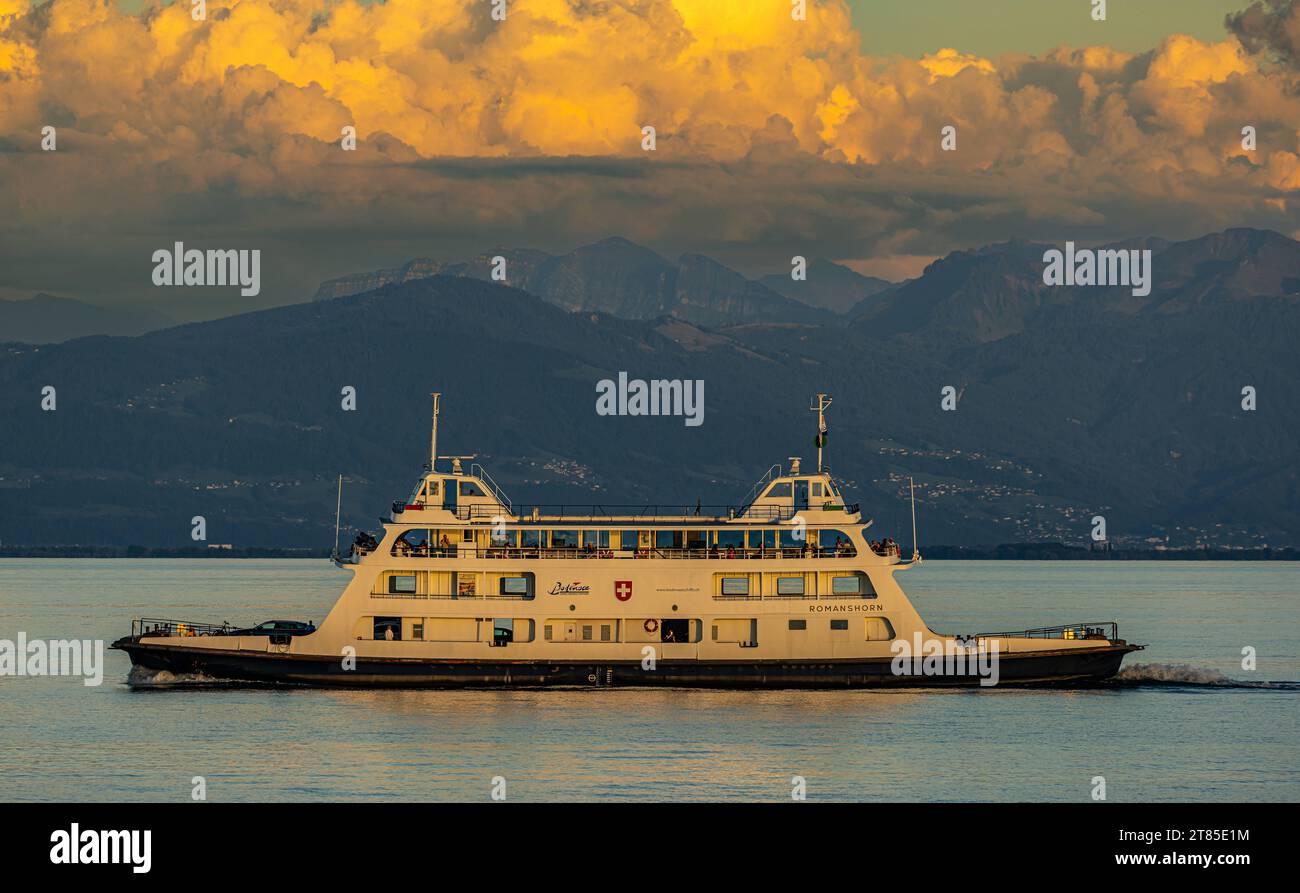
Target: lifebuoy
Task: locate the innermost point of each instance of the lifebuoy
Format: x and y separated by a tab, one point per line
651	625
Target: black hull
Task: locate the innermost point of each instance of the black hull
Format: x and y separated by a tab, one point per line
1049	667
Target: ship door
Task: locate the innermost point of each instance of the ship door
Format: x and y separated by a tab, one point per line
800	495
449	496
570	631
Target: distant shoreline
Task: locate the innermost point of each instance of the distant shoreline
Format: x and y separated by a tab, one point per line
1004	552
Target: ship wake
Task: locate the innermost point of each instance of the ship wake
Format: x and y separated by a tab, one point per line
1186	675
144	677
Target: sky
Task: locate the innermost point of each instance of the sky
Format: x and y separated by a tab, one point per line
774	137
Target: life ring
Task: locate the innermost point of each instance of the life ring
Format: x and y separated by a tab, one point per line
651	625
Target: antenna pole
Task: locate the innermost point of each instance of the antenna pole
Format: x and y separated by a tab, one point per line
911	486
433	437
338	508
823	402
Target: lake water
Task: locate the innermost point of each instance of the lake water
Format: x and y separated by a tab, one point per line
1186	722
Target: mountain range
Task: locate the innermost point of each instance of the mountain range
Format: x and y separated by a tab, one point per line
43	318
621	278
1071	403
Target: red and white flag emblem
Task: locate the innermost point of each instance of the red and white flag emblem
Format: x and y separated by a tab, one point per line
622	590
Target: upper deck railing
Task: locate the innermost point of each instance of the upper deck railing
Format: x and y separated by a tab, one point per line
1107	629
692	514
675	512
846	550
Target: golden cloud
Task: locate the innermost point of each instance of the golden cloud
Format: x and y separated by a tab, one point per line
251	103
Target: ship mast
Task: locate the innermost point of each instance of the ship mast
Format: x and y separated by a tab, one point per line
433	437
822	402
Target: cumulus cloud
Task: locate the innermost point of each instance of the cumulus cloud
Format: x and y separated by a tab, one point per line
772	134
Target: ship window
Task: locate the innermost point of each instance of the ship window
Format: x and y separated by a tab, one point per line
389	628
781	490
838	542
597	539
668	539
530	539
501	537
469	488
846	585
514	586
789	586
695	539
586	633
816	489
546	632
798	624
503	631
735	585
839	624
467	536
401	583
626	539
412	542
417	630
675	631
564	539
793	537
734	538
878	629
605	632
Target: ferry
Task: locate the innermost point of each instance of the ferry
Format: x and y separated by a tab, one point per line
785	589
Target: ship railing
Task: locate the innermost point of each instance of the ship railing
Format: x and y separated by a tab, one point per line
453	596
710	552
155	626
552	512
480	472
773	472
810	597
1108	630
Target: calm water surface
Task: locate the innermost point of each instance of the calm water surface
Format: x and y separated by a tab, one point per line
1187	723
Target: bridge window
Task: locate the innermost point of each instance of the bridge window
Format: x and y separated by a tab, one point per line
781	490
470	488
